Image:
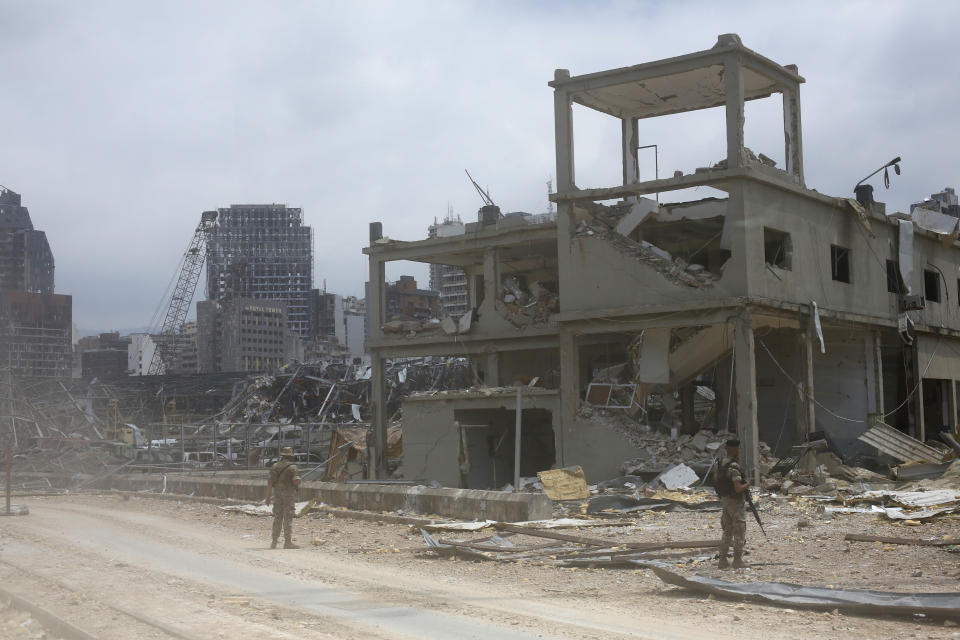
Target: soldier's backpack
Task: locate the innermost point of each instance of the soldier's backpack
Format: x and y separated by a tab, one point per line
722	483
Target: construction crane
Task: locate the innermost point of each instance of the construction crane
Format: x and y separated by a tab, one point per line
487	201
168	339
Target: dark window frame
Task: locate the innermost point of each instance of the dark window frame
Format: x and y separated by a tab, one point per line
840	269
931	286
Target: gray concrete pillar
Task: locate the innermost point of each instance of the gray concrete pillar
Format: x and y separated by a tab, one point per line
952	419
733	86
628	142
491	275
563	134
806	408
569	389
744	353
792	132
378	419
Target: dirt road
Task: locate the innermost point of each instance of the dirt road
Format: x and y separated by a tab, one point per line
151	569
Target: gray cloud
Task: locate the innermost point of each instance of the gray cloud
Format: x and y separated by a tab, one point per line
123	121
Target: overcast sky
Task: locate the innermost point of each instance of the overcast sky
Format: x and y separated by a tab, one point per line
123	121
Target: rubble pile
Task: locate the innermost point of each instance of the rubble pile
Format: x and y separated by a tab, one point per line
524	304
602	224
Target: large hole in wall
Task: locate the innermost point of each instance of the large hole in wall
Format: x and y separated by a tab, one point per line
694	241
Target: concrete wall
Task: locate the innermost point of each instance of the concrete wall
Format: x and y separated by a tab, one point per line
431	443
451	503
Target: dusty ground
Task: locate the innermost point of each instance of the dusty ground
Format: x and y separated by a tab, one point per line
109	552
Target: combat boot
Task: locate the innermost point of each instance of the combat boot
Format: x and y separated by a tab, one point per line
273	544
723	564
738	561
290	545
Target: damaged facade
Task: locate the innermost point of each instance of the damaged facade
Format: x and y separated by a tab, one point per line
36	324
796	312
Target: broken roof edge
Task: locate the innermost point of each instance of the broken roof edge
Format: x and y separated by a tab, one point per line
726	43
461	242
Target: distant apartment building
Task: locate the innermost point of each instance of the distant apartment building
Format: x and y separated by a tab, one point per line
328	318
36	325
404	301
447	280
355	325
103	356
244	334
945	202
263	252
35	334
140	354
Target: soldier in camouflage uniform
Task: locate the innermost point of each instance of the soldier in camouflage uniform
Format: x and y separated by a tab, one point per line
731	486
284	482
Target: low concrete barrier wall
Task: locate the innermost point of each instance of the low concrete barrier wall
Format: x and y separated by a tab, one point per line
460	504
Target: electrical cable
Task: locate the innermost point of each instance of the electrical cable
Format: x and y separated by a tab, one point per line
805	392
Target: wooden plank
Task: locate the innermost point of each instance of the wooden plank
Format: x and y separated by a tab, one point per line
919	542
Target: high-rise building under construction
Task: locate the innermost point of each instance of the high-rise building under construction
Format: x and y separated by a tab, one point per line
264	252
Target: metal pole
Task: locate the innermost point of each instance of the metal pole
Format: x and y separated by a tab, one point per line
9	475
516	442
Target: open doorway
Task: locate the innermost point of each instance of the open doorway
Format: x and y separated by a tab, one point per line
487	438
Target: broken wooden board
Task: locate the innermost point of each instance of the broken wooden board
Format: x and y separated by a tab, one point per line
919	542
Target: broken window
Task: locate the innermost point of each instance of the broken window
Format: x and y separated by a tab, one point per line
931	285
893	277
777	248
840	263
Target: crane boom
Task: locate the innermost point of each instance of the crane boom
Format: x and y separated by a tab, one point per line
487	201
168	342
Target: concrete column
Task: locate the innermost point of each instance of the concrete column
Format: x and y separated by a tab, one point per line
952	397
628	142
379	417
563	134
491	275
744	354
878	370
375	297
569	388
733	86
916	402
493	370
806	410
792	132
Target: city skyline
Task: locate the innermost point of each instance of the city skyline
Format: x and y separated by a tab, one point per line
371	112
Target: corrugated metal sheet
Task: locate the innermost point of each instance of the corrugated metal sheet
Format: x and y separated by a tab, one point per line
899	445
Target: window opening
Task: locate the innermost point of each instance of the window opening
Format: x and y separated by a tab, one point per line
777	248
893	277
931	285
840	263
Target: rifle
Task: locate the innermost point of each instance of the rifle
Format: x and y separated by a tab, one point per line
753	508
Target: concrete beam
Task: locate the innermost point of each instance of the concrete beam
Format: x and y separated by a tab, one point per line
433	249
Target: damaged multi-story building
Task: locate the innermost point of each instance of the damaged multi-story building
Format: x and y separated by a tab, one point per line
263	252
36	324
800	312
